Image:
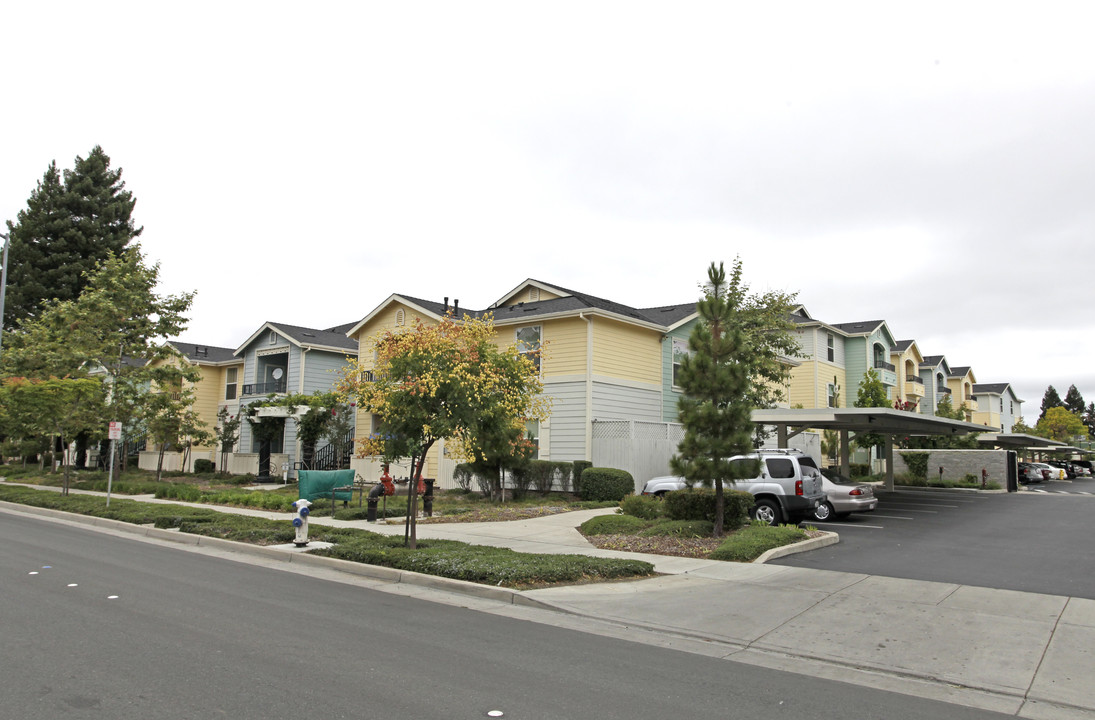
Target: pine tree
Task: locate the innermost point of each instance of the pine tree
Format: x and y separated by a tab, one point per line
1074	401
66	230
718	379
1050	400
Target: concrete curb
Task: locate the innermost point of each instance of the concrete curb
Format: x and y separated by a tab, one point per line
373	572
829	538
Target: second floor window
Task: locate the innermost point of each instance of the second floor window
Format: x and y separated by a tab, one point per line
831	347
230	383
680	350
528	344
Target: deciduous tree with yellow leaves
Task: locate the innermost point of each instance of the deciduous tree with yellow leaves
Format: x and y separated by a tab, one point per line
446	381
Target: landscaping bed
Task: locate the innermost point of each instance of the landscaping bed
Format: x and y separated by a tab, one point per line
491	566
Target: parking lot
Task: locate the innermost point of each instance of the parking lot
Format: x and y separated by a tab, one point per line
1036	540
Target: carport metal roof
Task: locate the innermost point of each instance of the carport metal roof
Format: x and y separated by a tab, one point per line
884	421
888	422
1020	441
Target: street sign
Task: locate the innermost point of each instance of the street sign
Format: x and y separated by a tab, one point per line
115	431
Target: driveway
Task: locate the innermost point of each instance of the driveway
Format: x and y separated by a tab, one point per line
1027	541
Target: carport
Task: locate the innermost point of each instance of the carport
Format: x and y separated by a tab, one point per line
1022	442
887	422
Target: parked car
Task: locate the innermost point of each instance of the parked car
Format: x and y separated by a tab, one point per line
1050	472
1064	467
788	486
1030	474
843	497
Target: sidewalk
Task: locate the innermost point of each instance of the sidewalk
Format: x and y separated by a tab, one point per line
1023	654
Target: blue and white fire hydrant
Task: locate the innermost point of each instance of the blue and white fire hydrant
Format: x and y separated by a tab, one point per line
300	522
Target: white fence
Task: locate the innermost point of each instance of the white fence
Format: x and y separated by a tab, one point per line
641	448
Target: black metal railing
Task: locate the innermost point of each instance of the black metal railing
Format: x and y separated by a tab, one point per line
277	386
881	365
915	379
333	456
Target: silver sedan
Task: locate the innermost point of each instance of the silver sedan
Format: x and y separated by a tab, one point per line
843	497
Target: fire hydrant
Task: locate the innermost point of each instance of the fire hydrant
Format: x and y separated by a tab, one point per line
300	522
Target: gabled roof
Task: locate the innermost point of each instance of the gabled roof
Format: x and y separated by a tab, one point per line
426	307
995	389
204	354
933	361
959	371
303	337
903	345
865	327
672	316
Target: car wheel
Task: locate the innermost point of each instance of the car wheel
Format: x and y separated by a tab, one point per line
823	512
768	512
660	494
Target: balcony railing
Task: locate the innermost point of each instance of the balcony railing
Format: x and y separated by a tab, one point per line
915	379
277	386
880	365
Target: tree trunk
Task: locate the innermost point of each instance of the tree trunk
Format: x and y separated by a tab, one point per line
159	463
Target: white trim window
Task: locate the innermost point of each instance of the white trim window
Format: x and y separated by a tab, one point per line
231	377
529	343
680	351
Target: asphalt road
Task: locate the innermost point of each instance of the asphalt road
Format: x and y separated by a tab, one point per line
1033	542
110	627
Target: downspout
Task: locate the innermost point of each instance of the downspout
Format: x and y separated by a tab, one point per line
300	390
589	386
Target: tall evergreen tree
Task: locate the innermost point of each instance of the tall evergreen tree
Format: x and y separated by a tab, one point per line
731	354
1074	401
66	230
1050	400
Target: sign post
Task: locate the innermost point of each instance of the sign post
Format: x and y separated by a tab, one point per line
115	434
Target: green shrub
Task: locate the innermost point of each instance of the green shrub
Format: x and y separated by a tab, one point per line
699	504
613	525
917	463
680	528
752	541
606	484
645	507
564	471
204	466
462	474
580	466
859	470
542	474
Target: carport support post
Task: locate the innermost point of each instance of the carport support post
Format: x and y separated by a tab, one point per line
845	454
889	463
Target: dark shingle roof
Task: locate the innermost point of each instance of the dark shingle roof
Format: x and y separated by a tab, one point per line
195	352
960	370
931	360
855	328
997	388
315	336
903	345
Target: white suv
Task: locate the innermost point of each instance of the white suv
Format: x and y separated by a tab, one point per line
787	488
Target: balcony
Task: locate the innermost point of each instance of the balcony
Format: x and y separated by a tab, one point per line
914	388
276	386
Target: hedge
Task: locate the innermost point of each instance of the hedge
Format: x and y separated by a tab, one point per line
699	504
608	484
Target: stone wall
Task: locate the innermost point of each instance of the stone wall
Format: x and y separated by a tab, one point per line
957	463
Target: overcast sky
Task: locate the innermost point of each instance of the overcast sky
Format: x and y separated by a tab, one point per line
929	164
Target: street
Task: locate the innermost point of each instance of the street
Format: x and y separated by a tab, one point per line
103	626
